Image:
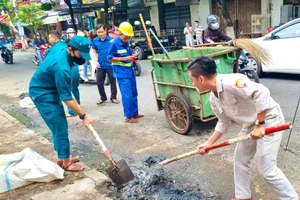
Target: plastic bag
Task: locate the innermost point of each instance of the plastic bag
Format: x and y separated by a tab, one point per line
26	167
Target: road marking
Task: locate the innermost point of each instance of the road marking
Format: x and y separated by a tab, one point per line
145	149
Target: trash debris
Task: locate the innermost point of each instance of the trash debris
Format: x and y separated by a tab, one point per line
26	103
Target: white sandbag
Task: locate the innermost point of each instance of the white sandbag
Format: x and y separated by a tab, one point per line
26	167
26	103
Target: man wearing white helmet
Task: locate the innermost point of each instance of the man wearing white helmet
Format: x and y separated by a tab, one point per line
70	33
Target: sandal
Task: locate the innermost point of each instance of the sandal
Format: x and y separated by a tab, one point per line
138	116
131	120
116	101
73	160
73	168
100	102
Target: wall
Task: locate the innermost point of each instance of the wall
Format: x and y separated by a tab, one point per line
200	12
154	16
276	12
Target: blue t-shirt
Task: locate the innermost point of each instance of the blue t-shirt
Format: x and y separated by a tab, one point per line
51	81
101	46
117	48
38	43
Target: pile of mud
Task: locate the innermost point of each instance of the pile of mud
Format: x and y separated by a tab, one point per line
153	183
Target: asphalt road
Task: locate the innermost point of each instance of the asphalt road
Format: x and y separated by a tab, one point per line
212	173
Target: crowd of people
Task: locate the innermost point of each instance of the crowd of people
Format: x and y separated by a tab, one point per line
233	97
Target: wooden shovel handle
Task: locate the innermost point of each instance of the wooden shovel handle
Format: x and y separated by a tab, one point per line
147	35
103	147
267	131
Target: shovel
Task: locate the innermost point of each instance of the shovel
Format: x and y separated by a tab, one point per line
119	172
267	131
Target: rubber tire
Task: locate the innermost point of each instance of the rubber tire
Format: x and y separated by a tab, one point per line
137	68
259	71
141	54
106	82
184	102
11	59
253	77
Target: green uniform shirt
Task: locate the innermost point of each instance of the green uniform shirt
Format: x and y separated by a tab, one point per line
52	79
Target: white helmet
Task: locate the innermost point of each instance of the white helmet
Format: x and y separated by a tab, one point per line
70	30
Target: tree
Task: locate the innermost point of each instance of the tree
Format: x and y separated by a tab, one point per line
29	14
5	29
221	5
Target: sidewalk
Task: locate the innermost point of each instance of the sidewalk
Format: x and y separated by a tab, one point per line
86	185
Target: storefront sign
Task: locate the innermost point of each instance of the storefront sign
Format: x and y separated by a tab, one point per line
64	18
92	1
117	2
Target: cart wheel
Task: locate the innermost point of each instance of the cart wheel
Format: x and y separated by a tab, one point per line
179	113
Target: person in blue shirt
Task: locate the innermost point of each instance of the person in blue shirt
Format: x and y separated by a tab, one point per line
2	40
75	76
50	86
100	48
37	43
121	56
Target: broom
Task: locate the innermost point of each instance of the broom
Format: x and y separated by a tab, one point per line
260	54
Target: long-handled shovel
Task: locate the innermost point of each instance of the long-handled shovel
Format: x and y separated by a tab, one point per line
119	172
267	131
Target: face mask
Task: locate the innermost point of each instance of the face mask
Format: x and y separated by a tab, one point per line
215	26
78	61
71	35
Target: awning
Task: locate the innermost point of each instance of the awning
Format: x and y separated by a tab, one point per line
2	19
50	19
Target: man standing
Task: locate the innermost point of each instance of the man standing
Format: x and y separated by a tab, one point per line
38	42
235	97
100	48
189	34
121	55
50	85
198	32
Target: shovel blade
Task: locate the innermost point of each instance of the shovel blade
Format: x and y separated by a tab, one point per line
120	174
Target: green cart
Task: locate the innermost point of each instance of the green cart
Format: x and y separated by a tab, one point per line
174	91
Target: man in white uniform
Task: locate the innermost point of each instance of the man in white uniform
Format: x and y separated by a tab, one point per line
235	97
189	34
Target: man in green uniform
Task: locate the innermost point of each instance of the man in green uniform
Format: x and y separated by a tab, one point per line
50	85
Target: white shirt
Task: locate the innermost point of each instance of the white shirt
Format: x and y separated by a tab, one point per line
240	99
189	33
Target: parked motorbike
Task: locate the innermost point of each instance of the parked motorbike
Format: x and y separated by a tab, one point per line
246	67
7	53
43	49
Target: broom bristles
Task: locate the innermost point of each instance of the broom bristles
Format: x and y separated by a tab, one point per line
260	54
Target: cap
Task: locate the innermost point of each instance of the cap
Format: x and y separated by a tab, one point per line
83	45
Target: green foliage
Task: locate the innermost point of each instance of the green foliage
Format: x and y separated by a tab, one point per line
29	14
5	29
46	6
6	5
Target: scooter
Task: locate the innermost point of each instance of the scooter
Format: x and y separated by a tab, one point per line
246	68
7	53
43	49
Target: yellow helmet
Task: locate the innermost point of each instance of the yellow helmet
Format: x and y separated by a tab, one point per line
126	29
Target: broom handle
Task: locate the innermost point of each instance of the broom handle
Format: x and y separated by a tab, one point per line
211	44
267	131
103	147
146	32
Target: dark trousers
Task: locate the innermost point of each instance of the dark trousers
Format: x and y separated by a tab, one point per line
100	77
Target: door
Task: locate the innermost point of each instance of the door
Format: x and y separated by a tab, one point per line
176	16
284	47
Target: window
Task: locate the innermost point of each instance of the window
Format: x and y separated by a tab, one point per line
289	32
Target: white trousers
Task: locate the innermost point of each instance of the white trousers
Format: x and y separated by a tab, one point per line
199	40
266	150
189	40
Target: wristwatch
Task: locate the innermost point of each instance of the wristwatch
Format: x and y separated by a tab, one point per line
82	116
257	122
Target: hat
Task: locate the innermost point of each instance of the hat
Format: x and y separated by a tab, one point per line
82	44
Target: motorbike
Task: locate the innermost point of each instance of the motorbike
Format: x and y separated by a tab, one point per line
246	67
43	49
7	53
